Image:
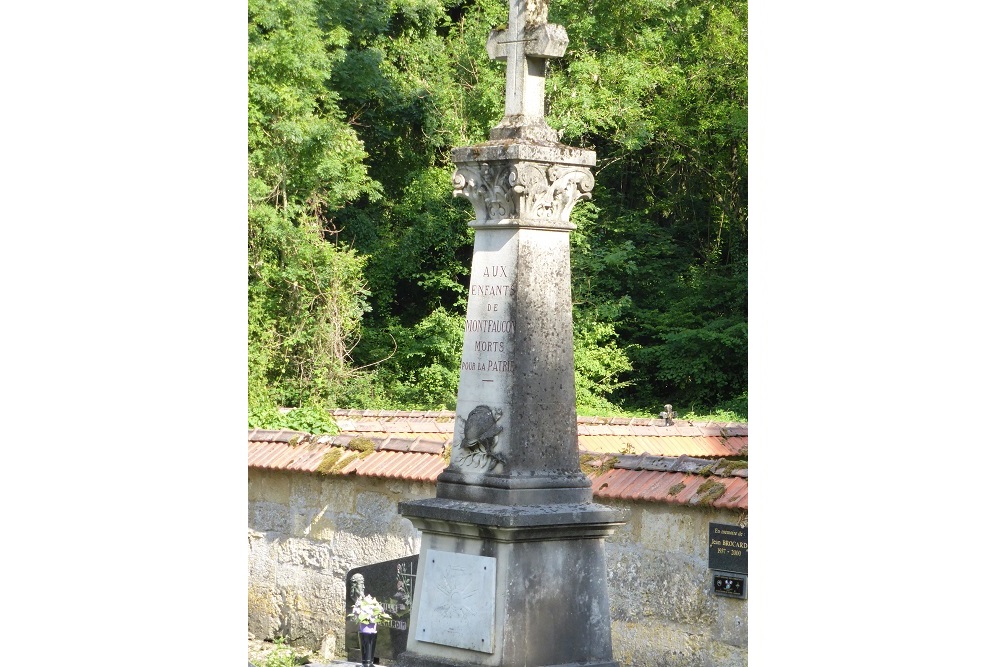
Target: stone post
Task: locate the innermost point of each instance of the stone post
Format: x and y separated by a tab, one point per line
512	568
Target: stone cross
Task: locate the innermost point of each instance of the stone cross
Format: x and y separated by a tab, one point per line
526	44
513	506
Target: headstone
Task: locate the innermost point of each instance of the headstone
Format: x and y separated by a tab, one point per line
512	566
390	582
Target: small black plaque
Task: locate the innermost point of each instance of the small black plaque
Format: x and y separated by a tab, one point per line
727	548
730	585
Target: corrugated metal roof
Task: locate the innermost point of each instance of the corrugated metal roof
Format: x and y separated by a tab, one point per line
677	463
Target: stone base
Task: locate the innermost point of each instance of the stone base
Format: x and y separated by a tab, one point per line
410	660
549	607
503	490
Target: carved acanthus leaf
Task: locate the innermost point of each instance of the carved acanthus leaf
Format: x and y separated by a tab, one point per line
529	192
564	185
487	186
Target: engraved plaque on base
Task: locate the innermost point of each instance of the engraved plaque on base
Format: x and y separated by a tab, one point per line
458	601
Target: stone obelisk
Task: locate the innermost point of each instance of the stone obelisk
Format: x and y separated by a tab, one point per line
512	564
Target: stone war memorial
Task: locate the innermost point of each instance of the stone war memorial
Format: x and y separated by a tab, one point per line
512	567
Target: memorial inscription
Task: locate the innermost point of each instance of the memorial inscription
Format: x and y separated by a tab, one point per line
727	548
492	347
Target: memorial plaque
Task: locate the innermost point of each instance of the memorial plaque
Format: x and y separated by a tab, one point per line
391	583
727	548
458	601
730	585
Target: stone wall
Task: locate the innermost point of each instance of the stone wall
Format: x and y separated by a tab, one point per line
663	611
306	531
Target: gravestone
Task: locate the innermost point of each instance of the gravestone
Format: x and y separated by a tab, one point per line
391	583
512	565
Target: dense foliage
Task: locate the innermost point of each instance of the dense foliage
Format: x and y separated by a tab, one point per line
359	255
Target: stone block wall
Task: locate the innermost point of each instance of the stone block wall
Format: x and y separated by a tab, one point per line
663	609
306	531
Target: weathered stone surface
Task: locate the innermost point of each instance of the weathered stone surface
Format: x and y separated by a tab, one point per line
458	603
660	586
513	492
274	487
641	568
328	647
508	190
375	510
487	518
517	373
541	41
648	643
262	605
534	623
731	623
684	532
300	551
271	517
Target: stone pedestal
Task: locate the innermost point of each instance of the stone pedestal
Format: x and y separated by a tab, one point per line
549	601
512	565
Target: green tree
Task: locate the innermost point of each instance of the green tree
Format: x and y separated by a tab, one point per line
306	295
658	89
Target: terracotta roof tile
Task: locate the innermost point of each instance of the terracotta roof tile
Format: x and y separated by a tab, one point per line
410	445
395	444
398	425
368	426
656	486
424	426
662	446
394	465
425	446
283	435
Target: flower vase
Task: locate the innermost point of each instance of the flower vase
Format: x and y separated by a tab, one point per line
367	633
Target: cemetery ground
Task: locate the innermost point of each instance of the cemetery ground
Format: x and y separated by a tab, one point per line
258	649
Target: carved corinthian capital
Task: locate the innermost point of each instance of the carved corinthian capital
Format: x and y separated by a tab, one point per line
523	193
488	186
